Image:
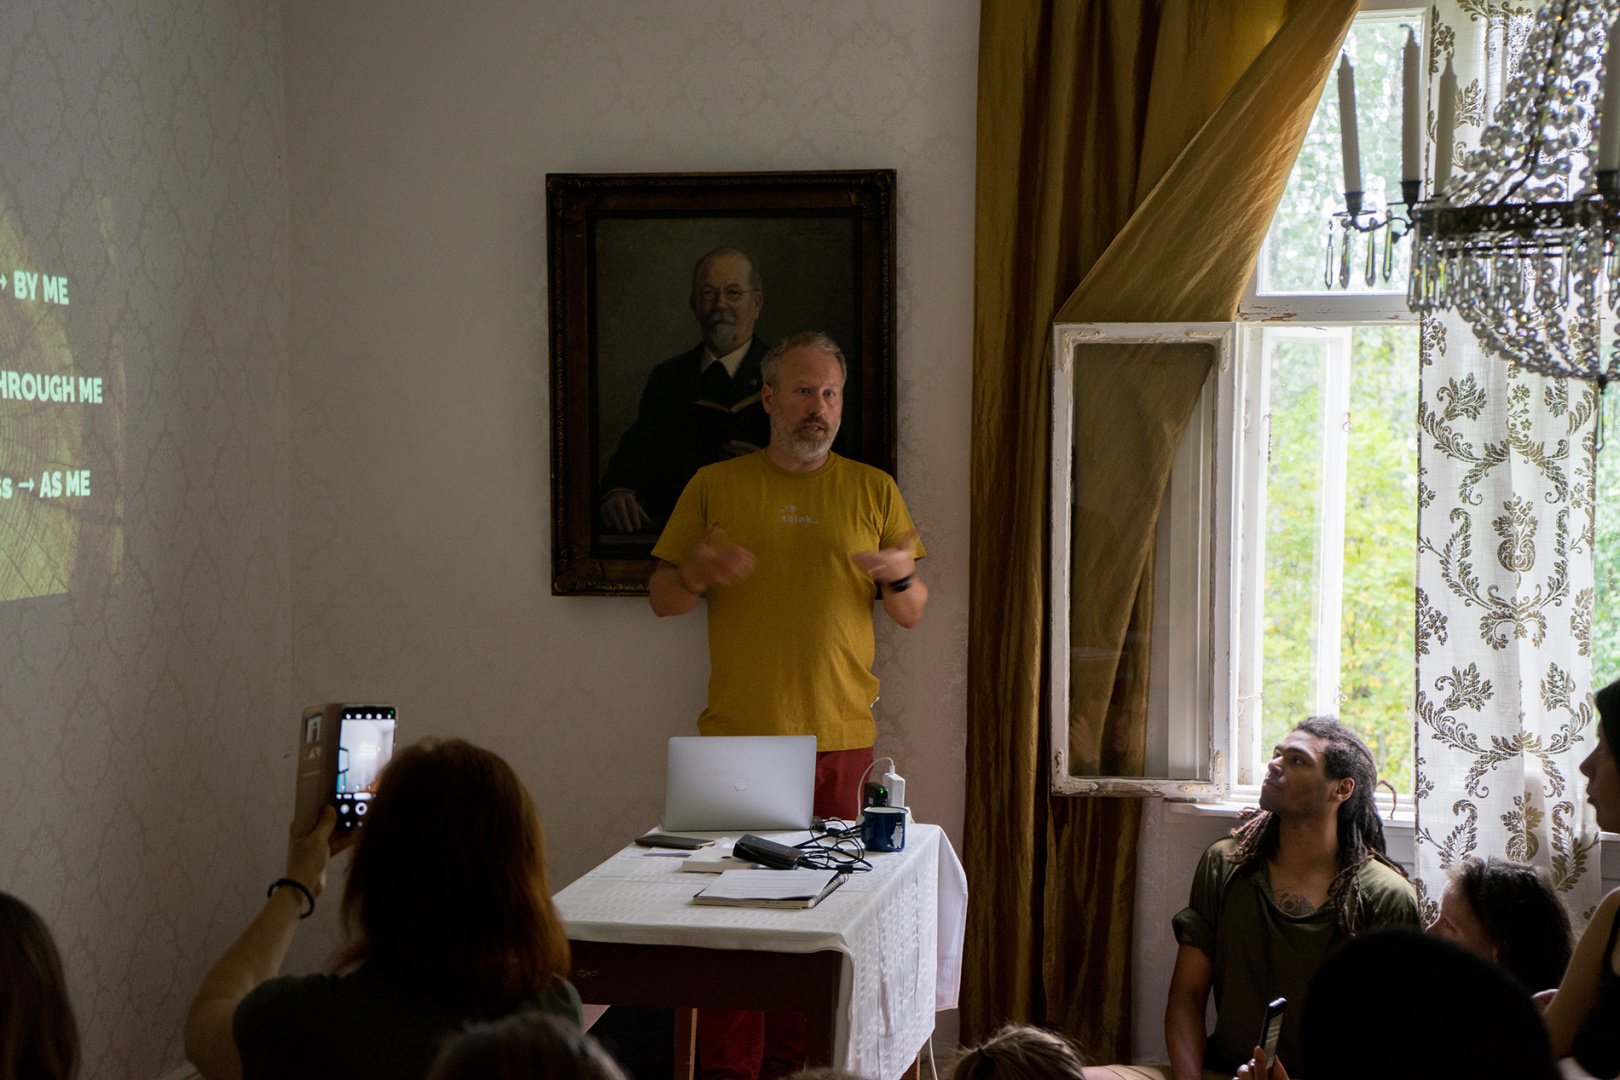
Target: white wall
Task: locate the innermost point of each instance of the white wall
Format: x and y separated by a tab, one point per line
1170	846
420	135
144	713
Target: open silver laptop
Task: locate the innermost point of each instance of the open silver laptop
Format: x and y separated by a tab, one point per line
728	783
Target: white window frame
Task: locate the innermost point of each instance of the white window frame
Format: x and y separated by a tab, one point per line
1254	381
1205	680
1252	385
1194	546
1329	308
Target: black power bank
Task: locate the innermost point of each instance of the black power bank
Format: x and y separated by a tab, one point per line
767	853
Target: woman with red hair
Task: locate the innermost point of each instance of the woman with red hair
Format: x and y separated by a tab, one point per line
449	918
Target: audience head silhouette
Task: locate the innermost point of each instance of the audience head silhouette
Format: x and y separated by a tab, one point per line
38	1038
1020	1053
1510	913
1602	766
1608	709
525	1046
1441	1010
449	880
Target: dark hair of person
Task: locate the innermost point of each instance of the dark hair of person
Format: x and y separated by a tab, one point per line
38	1037
1442	1010
1361	830
528	1045
1020	1052
770	367
448	886
1608	708
1520	912
824	1072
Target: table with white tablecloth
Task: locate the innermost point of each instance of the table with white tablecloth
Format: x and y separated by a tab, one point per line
889	942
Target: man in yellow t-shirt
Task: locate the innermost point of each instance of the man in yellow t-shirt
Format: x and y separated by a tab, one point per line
791	546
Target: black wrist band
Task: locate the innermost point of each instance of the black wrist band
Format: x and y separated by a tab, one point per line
901	584
301	887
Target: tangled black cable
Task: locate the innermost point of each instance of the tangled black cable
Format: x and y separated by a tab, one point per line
836	847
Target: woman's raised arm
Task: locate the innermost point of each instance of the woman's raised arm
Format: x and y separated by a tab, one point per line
255	956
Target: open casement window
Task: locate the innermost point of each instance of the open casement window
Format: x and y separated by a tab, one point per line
1277	543
1204	604
1141	527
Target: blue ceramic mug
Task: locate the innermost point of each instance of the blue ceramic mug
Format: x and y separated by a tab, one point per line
883	828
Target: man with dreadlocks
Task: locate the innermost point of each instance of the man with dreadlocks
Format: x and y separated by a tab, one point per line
1273	899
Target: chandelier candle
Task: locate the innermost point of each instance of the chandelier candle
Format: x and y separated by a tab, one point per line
1608	155
1411	119
1445	128
1354	219
1349	142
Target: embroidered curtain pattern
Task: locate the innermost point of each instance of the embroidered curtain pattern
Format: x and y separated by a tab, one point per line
1506	477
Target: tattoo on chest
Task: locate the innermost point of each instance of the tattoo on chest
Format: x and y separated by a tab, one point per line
1293	903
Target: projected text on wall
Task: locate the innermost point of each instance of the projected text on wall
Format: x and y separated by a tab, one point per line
60	512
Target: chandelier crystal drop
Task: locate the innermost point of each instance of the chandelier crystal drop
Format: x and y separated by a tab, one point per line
1522	240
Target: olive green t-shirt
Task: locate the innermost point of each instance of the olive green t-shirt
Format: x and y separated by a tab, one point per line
791	645
367	1024
1260	953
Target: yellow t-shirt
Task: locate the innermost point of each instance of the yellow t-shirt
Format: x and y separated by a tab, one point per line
790	646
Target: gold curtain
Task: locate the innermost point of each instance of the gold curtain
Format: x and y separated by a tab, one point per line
1130	156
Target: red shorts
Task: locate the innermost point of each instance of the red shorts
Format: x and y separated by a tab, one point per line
838	782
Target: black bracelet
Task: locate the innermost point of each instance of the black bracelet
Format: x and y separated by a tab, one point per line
901	584
301	887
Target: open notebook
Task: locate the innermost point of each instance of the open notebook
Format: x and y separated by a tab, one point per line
770	888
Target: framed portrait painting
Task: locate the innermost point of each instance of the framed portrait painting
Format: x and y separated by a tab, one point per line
666	290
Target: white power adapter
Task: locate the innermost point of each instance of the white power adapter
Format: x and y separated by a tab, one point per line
896	785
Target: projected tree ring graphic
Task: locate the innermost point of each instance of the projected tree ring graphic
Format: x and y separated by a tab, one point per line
58	510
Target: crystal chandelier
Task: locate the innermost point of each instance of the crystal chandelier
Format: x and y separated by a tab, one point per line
1522	241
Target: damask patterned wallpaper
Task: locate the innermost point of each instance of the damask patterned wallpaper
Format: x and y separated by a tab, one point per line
420	135
144	710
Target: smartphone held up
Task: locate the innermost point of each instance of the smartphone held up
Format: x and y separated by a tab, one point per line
341	752
1270	1032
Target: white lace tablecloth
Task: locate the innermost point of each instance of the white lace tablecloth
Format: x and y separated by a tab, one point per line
899	927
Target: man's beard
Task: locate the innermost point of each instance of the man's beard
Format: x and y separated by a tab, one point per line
799	443
720	331
1268	799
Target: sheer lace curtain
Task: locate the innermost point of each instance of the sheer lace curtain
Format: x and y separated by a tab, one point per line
1504	579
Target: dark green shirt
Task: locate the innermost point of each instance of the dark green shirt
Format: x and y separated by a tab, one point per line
362	1026
1259	952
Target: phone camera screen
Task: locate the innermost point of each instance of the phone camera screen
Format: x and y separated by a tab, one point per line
365	743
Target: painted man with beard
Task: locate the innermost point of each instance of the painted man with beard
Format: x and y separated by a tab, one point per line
791	546
697	408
